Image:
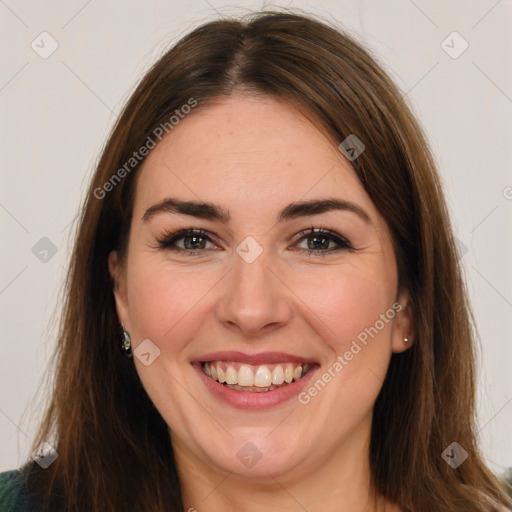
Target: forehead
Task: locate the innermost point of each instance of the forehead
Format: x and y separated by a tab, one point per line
244	149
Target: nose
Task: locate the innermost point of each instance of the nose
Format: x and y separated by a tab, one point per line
254	300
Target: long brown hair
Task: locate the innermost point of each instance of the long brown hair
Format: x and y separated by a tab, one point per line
114	451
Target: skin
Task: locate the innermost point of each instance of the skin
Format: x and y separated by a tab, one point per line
252	156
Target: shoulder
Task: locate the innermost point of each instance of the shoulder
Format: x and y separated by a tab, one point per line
13	495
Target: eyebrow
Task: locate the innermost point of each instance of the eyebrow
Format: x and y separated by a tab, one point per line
210	211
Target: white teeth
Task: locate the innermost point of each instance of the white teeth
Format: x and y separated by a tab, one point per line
255	377
288	373
231	376
262	378
245	376
278	375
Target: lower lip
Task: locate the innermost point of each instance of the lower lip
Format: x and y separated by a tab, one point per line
255	399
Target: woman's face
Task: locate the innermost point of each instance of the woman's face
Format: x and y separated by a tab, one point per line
257	294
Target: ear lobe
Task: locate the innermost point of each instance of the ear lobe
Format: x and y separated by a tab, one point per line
403	331
117	274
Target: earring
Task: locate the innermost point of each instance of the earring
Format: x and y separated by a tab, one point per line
406	340
126	342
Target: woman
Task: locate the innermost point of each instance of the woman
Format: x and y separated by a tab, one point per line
265	239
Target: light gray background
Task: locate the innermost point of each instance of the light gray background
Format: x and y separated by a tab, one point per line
57	112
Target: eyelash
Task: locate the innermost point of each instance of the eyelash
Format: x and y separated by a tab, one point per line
169	239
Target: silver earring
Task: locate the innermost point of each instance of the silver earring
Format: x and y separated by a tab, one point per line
406	340
126	342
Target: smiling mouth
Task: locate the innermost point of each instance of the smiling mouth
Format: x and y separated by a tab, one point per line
255	378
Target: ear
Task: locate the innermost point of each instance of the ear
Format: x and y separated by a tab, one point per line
118	275
404	323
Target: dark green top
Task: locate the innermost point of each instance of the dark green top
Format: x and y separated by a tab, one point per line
13	493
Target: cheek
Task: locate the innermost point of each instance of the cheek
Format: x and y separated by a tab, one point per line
161	299
348	306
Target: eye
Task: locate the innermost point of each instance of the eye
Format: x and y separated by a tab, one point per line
319	241
191	241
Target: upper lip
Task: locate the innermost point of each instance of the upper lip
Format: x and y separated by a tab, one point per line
253	359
